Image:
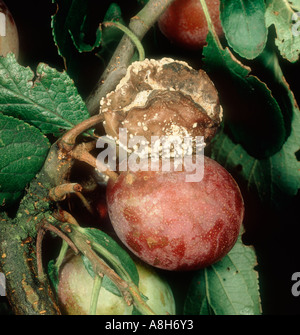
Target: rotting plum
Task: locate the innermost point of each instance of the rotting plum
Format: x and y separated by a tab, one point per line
174	224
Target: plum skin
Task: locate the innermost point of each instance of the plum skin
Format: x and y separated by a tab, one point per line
173	224
184	22
75	290
9	42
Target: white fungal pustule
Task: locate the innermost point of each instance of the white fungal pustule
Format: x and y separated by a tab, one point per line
163	97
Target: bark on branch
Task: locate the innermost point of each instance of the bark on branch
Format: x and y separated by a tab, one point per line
26	294
122	56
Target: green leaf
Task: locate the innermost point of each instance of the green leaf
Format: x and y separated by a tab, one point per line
72	28
268	66
110	251
244	25
268	165
282	14
23	150
111	35
275	179
51	102
67	24
253	117
229	287
75	30
78	38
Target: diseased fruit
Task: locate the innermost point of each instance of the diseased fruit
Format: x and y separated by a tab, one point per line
75	290
162	97
9	38
174	224
184	22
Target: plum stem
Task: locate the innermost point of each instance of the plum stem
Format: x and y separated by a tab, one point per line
95	294
85	203
67	145
68	140
131	35
81	153
60	192
43	227
62	254
64	216
210	25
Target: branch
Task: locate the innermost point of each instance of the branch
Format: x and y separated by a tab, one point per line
80	153
121	59
44	226
26	294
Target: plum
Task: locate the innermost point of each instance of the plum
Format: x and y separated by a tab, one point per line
9	37
75	290
184	22
173	224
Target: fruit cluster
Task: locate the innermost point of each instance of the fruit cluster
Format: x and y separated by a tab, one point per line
163	219
161	216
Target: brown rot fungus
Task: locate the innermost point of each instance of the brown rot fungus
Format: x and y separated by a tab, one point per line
162	98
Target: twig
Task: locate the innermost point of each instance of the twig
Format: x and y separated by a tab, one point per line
80	153
85	203
64	216
43	227
39	239
60	192
68	140
121	59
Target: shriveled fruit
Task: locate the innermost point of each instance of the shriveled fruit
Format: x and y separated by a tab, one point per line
174	224
75	291
184	22
162	97
9	38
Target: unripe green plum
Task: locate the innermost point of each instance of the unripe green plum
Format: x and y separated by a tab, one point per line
75	291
